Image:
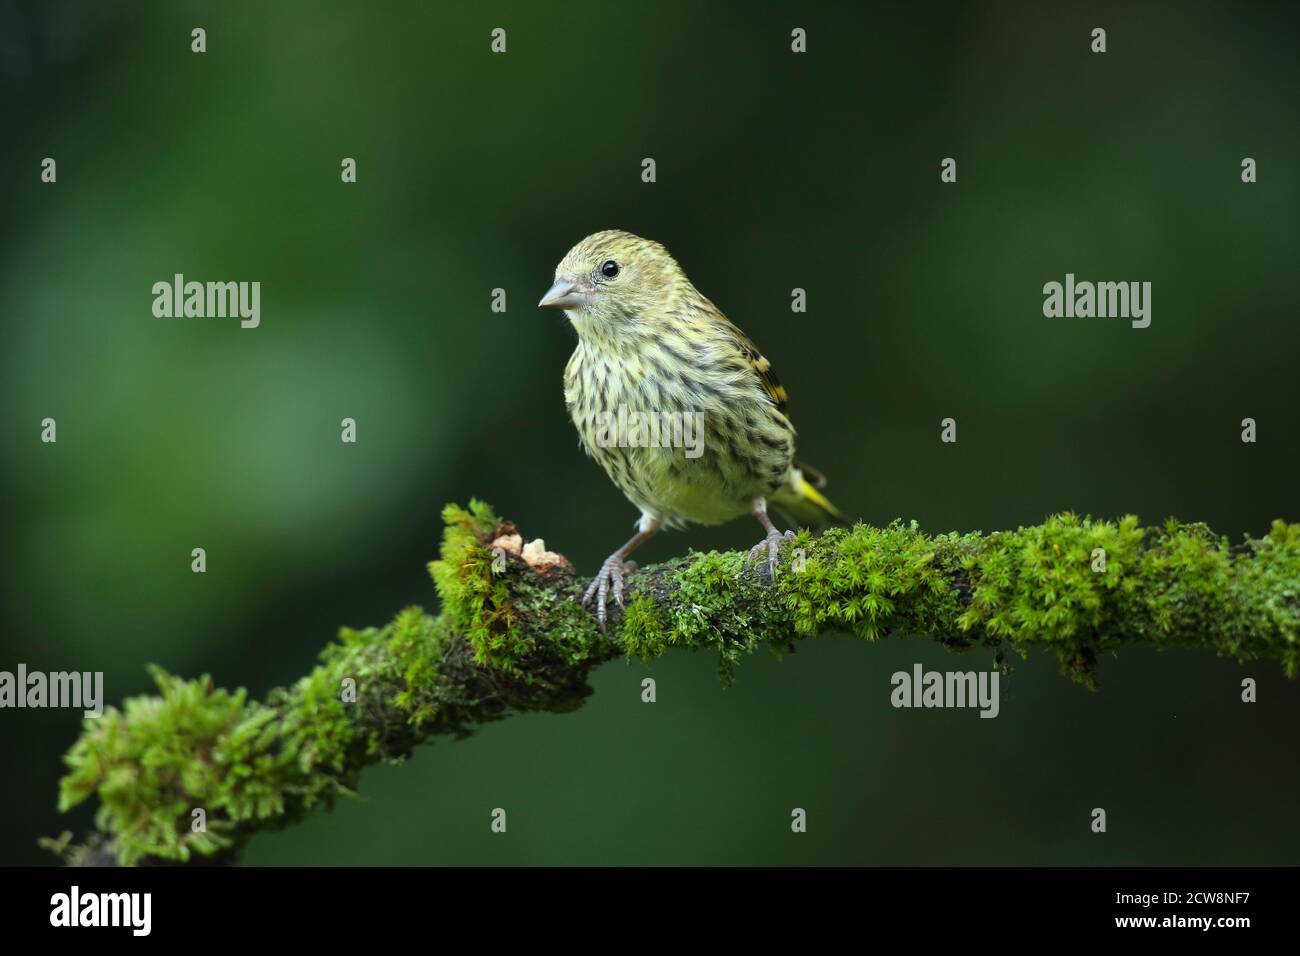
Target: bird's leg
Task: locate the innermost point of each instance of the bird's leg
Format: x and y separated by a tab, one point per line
772	543
614	568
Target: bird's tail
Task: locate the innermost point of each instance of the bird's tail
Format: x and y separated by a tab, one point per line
802	503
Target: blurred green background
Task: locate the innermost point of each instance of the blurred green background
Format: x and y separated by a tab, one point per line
775	170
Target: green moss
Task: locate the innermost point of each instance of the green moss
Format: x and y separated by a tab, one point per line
552	621
417	641
711	603
1038	585
527	629
510	638
475	601
870	581
242	762
1195	584
149	761
644	635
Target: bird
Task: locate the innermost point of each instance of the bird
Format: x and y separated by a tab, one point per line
653	351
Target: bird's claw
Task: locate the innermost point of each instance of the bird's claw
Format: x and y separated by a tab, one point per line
772	544
611	574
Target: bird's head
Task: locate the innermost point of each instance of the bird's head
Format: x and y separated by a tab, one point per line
613	281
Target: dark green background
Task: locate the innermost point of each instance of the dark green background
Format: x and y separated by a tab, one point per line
774	171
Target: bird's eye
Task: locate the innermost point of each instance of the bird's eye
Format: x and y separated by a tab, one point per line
609	269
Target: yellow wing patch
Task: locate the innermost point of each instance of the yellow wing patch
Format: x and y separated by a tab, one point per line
771	384
762	368
756	359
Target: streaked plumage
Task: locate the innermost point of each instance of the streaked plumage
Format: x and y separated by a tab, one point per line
648	340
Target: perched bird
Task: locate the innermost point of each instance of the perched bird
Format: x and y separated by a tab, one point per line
654	356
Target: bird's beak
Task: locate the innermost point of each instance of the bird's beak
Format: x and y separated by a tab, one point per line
563	295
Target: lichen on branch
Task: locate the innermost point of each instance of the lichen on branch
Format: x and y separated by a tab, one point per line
512	636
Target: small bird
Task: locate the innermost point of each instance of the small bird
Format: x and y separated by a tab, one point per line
653	351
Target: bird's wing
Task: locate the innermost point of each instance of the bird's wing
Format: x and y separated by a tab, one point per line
811	474
762	368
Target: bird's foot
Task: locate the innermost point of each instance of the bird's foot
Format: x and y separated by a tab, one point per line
609	577
772	544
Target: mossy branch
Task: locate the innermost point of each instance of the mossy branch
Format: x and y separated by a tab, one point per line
512	636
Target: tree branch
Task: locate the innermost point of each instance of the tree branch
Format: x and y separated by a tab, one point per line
512	636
